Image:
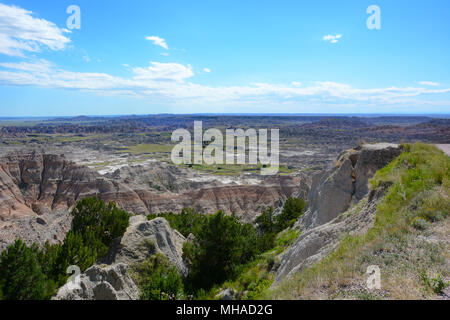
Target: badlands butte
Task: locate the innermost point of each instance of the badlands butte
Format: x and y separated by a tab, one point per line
339	165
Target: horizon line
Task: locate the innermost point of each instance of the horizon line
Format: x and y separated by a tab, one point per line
224	114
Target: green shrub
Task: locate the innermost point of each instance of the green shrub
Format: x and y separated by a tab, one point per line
158	279
186	222
286	238
269	226
221	246
20	273
420	223
437	285
94	219
292	210
94	226
75	251
266	221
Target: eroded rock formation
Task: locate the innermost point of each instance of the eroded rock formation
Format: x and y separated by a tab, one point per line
144	238
101	283
318	242
334	191
37	191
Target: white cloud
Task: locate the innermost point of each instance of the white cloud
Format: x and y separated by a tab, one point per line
296	84
163	71
429	83
40	66
332	38
207	70
167	83
20	31
158	41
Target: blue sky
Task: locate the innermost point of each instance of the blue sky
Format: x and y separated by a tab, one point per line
145	57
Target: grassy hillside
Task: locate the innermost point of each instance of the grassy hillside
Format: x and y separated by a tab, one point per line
409	240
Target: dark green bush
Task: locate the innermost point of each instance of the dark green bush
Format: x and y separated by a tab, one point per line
292	210
266	221
95	224
94	219
222	245
21	275
186	222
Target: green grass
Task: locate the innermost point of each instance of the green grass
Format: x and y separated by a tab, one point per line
419	181
72	138
46	138
233	169
285	239
147	148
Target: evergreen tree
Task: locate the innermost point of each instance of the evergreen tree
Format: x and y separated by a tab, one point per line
292	210
95	220
265	221
222	245
20	273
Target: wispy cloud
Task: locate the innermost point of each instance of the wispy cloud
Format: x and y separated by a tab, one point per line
158	41
429	83
163	71
332	38
21	32
168	83
207	70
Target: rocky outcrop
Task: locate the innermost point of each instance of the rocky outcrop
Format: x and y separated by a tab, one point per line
334	191
109	279
318	242
144	238
101	283
343	188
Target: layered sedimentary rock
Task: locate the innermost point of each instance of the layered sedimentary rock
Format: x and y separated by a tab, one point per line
38	190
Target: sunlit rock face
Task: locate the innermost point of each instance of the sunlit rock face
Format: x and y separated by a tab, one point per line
335	190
